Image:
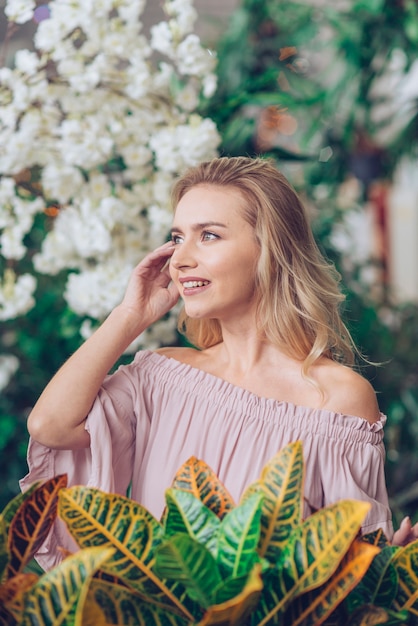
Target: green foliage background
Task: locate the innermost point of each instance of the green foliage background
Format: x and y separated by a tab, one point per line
248	72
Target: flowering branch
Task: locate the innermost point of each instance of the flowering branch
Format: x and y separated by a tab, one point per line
96	122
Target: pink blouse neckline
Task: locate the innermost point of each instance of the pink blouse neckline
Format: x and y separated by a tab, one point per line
227	390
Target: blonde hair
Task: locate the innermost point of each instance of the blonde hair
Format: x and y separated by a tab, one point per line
298	291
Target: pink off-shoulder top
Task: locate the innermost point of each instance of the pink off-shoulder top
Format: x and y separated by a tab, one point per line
150	416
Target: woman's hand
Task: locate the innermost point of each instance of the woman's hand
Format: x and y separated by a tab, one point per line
71	392
151	293
405	533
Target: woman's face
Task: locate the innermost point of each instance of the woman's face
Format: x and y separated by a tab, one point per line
216	254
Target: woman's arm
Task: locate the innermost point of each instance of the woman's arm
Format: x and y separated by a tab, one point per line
57	419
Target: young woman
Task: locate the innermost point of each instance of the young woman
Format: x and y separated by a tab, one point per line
272	363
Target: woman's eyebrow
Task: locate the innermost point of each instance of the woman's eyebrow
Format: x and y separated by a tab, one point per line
198	226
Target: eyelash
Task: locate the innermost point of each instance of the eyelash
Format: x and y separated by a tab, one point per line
211	235
206	236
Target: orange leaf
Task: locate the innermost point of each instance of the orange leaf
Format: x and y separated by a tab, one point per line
199	479
11	597
32	522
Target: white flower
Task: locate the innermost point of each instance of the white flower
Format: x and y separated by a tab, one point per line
20	11
353	236
103	126
9	364
130	11
187	98
95	292
184	16
186	144
209	85
16	294
11	245
61	182
27	62
192	58
162	39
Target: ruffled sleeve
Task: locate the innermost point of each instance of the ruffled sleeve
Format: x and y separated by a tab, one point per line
349	457
107	464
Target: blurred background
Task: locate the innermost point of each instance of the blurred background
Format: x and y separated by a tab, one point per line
331	93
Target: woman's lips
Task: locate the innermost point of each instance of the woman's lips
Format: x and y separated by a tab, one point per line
194	285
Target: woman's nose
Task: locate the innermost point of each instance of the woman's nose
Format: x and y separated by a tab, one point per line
183	256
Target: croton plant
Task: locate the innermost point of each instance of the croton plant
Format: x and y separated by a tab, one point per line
208	561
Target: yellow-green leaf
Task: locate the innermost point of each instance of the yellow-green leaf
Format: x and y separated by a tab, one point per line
281	484
405	562
112	604
315	606
96	518
312	554
54	598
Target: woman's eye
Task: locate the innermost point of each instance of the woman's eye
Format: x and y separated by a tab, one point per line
176	239
206	236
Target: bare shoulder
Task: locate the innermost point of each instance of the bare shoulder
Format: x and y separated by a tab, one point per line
350	393
189	356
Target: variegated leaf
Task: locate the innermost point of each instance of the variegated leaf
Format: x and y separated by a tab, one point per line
370	615
405	562
199	479
112	604
4	548
54	598
184	560
187	514
312	554
376	538
281	484
32	522
238	538
314	607
96	518
11	597
235	612
379	585
11	507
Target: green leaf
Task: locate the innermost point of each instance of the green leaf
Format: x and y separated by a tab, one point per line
183	559
54	598
376	538
229	588
235	612
238	538
281	484
112	604
371	615
379	585
186	514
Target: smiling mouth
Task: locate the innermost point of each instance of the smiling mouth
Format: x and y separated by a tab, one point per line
190	284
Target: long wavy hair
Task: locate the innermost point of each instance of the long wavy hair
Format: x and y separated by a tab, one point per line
297	289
